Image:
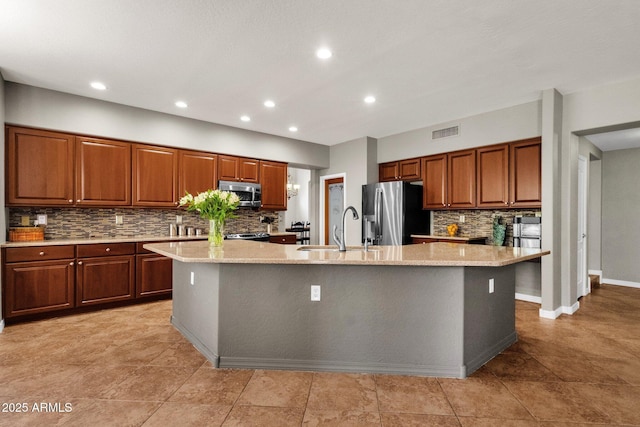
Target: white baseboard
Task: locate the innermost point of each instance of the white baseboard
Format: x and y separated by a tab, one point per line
528	298
1	325
619	282
554	314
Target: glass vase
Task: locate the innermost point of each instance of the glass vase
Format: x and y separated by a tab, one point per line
216	233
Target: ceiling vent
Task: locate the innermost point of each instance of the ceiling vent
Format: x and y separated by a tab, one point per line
445	133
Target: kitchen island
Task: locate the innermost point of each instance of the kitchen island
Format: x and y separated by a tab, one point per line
436	309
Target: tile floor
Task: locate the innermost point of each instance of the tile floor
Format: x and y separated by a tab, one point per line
129	367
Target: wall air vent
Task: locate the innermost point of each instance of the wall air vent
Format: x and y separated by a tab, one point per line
445	133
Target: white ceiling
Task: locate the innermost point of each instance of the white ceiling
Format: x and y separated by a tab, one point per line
616	140
426	61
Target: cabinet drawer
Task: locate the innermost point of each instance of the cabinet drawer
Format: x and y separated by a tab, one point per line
39	253
287	239
106	249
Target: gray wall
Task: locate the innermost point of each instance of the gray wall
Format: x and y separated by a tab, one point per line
620	209
357	160
507	124
47	109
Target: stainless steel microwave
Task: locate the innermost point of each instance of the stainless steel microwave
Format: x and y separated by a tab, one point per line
250	194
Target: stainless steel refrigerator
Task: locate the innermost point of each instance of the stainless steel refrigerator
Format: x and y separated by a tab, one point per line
392	212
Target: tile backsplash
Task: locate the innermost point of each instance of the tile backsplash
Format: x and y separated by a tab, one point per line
65	223
478	222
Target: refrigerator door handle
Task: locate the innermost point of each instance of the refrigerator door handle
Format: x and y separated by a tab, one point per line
378	215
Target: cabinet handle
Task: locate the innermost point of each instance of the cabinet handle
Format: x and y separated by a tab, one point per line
71	263
70	200
79	262
78	201
41	253
108	249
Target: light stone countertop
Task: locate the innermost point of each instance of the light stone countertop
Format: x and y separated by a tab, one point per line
432	254
92	240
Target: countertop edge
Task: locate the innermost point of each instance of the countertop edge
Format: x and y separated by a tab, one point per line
95	240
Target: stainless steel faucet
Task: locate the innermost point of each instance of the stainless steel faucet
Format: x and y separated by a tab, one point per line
340	241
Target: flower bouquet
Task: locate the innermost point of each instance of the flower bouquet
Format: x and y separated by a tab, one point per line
216	206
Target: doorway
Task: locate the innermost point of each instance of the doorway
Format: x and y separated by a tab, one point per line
333	206
582	285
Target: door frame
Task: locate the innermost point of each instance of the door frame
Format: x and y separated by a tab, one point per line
583	284
321	216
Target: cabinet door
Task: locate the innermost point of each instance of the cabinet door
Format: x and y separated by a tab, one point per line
228	168
249	170
105	279
410	170
461	184
493	176
388	171
198	172
155	173
154	275
286	239
434	186
103	175
526	173
274	185
422	240
38	287
40	167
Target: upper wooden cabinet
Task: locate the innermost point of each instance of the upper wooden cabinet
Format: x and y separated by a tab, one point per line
40	167
273	179
493	176
103	172
449	180
404	170
155	176
232	168
509	175
198	172
526	173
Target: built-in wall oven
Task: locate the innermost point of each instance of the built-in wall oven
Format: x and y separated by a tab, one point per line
527	232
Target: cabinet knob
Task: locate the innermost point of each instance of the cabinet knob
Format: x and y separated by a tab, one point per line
70	200
79	262
71	263
41	253
108	249
78	201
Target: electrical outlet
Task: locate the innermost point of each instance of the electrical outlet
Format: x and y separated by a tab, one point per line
24	220
42	219
119	220
462	219
492	286
315	292
178	219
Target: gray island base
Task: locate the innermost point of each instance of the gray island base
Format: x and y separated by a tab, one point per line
432	321
428	320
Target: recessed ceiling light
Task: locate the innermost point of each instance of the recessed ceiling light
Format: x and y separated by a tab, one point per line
98	86
323	53
181	104
370	99
245	118
269	103
293	129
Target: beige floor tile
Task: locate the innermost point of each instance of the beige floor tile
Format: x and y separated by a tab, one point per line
87	412
407	394
277	388
259	416
418	420
483	398
150	383
326	418
343	392
212	386
188	414
179	354
518	366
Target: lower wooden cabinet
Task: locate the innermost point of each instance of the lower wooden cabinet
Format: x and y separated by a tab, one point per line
154	275
38	287
49	279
